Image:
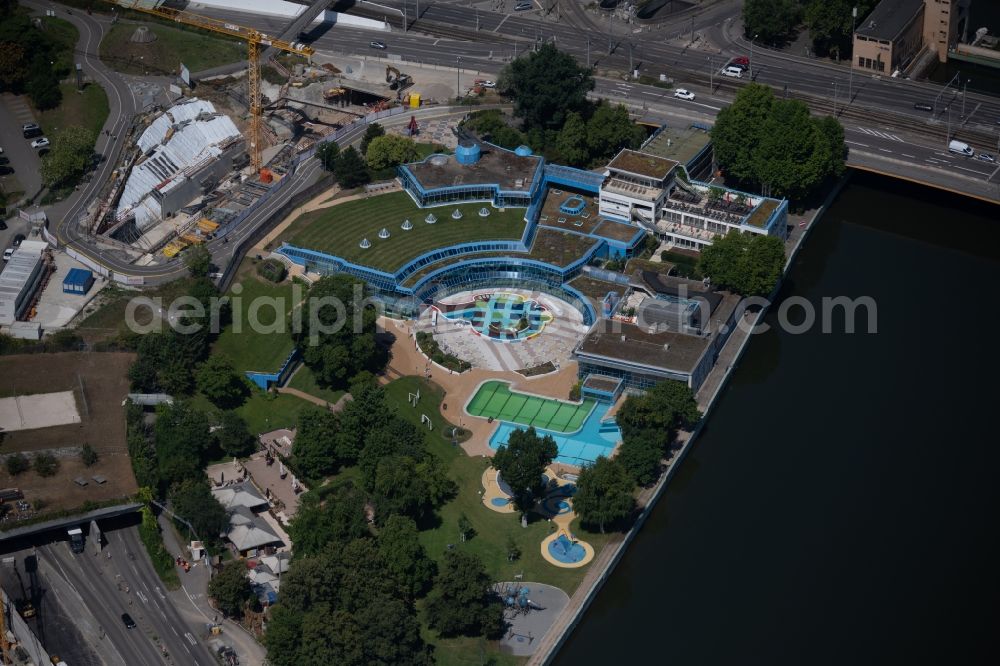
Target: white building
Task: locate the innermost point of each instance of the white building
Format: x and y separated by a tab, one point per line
188	150
655	193
20	279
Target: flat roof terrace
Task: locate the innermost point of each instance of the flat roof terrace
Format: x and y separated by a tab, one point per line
586	221
642	164
339	230
678	144
495	166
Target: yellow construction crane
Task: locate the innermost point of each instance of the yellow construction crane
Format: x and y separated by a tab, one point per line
254	39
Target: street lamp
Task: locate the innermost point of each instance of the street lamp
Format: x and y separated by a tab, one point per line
964	88
751	54
458	80
850	80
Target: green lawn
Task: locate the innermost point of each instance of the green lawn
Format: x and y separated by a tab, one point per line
262	411
87	108
339	230
197	49
263	346
304	380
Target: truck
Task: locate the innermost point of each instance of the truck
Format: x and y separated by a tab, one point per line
75	539
961	148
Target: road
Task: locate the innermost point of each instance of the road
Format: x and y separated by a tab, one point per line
101	582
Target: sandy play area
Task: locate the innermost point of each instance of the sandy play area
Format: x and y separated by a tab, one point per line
40	410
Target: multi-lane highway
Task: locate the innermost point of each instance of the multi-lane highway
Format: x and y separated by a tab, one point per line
127	583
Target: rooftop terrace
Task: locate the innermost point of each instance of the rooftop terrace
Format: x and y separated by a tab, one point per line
584	222
642	164
511	172
339	230
677	144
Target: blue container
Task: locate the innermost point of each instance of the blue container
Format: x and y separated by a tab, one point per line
467	154
78	281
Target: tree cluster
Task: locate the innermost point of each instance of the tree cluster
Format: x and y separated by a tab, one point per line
338	341
231	589
347	165
352	603
546	85
649	423
32	61
389	151
399	476
776	144
771	21
748	264
604	494
70	154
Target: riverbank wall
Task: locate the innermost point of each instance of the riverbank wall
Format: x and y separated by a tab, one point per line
612	554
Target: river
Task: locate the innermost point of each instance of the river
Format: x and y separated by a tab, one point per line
841	505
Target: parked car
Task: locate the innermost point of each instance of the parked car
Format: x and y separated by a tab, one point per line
683	93
961	148
741	60
17	240
489	84
30	130
733	71
40	143
377	44
7	253
923	106
523	6
986	157
3	226
128	621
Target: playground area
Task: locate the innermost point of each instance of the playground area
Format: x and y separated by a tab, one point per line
474	326
529	609
40	410
495	400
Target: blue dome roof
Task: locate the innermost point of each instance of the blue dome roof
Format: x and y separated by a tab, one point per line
522	151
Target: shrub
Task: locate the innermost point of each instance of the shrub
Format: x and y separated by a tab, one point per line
272	269
88	455
17	463
45	464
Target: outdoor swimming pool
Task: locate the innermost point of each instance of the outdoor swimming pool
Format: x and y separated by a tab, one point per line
595	438
502	317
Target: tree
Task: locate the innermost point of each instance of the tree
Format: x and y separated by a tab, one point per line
69	154
218	381
665	407
337	518
315	450
403	556
641	453
390	150
372	132
777	144
513	550
231	589
45	464
17	463
546	85
182	438
404	486
198	260
193	501
749	264
350	169
338	349
327	154
609	130
771	21
462	601
572	141
43	85
284	633
465	530
88	455
521	462
233	435
396	437
830	24
604	494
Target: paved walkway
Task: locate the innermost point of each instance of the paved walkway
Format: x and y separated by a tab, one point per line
460	387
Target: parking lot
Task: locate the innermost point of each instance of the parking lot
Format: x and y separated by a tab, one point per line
23	159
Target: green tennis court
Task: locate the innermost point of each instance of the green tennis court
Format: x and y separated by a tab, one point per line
495	399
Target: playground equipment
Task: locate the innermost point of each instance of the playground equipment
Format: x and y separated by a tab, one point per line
515	598
426	419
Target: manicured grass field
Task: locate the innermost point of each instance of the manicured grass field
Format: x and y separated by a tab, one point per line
262	346
195	48
304	380
339	230
491	529
497	400
87	109
262	411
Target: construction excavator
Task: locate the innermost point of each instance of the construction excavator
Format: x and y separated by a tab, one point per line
396	79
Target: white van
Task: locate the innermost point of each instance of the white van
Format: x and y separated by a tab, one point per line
961	148
733	70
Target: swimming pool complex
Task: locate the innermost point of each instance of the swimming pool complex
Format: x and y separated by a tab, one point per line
500	316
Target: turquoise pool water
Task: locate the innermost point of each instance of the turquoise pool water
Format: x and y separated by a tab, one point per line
594	438
503	317
564	550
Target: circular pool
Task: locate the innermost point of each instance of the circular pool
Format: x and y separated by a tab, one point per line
565	550
500	501
555	506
